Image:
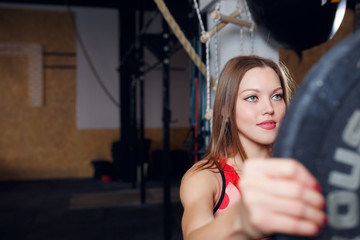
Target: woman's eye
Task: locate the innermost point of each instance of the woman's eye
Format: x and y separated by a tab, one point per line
277	97
251	99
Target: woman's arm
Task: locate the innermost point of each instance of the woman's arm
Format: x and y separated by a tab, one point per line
198	191
278	196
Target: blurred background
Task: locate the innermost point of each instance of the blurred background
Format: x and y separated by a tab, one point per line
102	108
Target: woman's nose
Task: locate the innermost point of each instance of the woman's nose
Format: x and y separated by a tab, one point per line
268	108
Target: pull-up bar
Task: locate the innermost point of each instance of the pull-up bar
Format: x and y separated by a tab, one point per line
218	27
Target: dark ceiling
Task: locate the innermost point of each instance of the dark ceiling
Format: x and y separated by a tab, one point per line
137	4
182	10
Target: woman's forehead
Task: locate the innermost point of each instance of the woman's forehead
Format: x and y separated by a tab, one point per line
260	78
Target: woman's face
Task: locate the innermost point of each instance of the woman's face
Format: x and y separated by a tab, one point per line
260	106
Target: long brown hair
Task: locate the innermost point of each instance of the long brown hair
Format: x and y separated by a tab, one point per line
224	141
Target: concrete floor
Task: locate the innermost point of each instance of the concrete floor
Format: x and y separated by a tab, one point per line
83	209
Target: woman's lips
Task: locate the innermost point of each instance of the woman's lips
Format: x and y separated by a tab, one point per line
268	125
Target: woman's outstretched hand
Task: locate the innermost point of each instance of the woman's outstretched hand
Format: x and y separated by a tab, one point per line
280	196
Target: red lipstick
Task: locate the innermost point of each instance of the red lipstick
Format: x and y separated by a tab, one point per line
268	124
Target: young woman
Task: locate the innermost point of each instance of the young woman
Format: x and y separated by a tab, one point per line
238	191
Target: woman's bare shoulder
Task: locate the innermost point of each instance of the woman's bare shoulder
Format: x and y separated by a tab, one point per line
201	170
199	181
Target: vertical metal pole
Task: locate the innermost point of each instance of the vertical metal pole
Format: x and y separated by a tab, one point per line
141	102
142	142
126	168
133	135
166	134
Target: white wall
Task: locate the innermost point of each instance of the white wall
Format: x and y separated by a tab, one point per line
179	86
99	31
180	80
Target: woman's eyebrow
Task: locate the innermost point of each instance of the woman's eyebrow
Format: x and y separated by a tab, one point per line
257	90
277	89
250	90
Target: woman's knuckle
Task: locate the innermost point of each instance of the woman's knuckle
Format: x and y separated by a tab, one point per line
293	167
298	191
300	210
257	219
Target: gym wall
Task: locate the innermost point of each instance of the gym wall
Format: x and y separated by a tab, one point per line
45	142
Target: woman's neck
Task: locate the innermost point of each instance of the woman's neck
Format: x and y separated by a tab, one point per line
256	150
237	162
253	150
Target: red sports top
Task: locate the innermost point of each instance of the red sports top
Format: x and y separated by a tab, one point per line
229	191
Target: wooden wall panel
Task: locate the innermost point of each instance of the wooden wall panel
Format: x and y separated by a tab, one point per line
43	142
310	56
53	29
177	138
